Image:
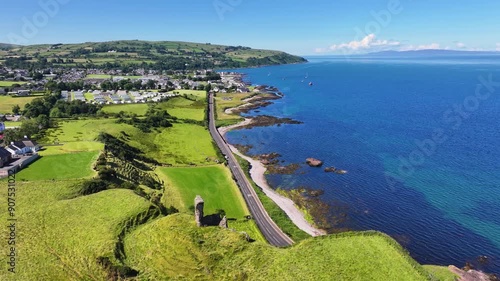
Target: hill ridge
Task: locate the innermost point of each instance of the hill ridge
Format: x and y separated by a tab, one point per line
158	55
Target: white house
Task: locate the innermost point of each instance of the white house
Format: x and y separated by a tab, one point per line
31	144
17	148
22	147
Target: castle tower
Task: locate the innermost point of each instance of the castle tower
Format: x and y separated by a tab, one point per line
198	210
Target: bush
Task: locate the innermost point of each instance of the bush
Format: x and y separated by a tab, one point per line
106	174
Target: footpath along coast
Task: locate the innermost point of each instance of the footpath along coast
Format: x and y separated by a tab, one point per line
257	173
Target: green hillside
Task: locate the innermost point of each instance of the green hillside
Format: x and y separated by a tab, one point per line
177	250
162	55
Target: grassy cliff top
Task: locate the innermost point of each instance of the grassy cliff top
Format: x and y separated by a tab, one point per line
174	248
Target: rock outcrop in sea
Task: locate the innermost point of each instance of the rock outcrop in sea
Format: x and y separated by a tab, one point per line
313	162
335	170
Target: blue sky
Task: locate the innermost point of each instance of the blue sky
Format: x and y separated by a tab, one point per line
296	26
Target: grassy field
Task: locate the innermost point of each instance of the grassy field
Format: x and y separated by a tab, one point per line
225	101
64	166
182	145
179	107
201	95
139	109
60	238
216	186
79	135
7	102
441	272
213	183
72	147
175	249
185	109
10	83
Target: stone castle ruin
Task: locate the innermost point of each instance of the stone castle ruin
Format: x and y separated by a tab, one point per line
199	204
212	220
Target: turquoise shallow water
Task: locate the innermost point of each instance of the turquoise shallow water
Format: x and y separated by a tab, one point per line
422	151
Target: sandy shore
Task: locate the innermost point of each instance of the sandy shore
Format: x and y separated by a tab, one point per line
257	173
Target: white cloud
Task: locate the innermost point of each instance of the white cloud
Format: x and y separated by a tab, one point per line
367	43
371	43
498	47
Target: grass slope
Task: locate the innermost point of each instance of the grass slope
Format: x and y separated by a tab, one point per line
64	166
80	135
185	109
441	272
60	238
176	250
182	145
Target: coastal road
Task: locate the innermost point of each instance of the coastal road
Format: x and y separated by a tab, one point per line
269	229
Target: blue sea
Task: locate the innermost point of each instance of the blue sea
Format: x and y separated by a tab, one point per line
420	139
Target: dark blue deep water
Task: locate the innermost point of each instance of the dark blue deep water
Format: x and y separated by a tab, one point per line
419	138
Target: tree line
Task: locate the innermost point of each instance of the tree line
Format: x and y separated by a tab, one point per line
154	118
53	106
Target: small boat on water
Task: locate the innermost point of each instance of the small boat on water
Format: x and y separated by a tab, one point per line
310	83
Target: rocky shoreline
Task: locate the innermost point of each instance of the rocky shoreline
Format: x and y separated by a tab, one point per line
269	162
306	201
268	121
